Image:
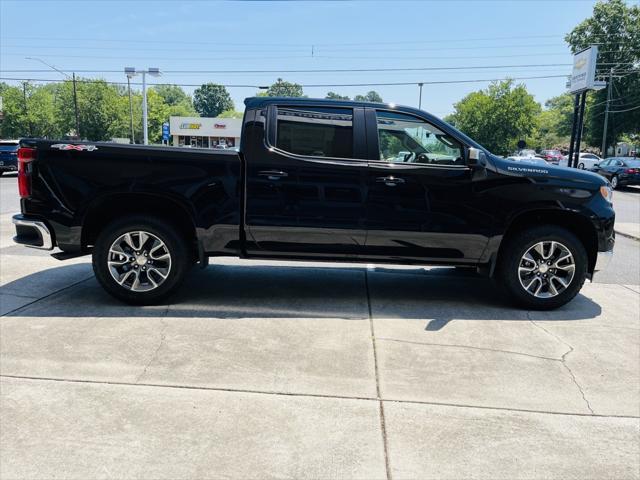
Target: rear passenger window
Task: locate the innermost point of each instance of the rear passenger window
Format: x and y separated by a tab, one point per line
315	131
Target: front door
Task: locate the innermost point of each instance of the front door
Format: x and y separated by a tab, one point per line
421	205
305	191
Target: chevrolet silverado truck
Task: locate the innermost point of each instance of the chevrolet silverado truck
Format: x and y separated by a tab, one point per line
317	180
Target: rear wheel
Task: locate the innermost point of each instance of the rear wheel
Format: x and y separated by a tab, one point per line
614	182
140	260
581	166
544	267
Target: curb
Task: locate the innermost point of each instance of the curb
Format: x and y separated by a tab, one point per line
627	235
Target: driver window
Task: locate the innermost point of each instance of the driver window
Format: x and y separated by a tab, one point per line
407	139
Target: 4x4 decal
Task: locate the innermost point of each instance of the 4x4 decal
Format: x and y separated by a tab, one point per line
68	146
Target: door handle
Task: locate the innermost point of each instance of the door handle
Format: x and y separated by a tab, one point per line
273	174
390	181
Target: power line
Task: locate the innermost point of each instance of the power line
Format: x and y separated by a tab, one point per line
364	84
352	70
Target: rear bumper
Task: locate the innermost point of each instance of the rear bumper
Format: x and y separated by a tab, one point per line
32	232
631	180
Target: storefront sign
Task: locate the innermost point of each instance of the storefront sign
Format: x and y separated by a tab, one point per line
165	131
190	126
219	125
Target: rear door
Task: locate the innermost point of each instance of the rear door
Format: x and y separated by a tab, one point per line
421	205
305	189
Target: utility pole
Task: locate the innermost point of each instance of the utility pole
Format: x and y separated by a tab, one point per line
75	106
603	152
26	109
75	94
132	137
420	98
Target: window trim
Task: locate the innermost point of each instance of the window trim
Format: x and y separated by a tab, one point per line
374	150
358	127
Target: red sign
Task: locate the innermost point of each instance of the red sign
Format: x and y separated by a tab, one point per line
219	125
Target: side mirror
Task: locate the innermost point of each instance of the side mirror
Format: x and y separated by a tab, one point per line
476	158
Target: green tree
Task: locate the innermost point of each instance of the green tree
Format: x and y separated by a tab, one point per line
34	115
210	100
615	27
498	116
335	96
284	89
231	114
371	96
172	94
15	122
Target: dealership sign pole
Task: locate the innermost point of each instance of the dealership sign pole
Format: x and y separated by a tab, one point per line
583	79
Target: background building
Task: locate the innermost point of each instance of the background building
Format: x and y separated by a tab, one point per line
203	132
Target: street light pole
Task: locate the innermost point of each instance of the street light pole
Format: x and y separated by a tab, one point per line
75	105
155	72
145	127
131	136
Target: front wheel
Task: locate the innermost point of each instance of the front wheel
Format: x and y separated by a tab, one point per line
544	267
140	260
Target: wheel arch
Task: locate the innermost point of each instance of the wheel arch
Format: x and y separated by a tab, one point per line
574	222
108	208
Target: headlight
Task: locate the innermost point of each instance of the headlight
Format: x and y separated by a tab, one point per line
607	192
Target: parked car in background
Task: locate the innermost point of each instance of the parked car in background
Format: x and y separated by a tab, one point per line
620	171
9	156
524	153
552	156
534	160
586	161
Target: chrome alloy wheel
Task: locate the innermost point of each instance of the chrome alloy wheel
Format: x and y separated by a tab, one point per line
546	269
139	261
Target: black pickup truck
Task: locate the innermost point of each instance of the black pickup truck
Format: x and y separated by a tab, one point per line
317	180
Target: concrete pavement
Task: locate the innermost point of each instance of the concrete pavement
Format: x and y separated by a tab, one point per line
289	370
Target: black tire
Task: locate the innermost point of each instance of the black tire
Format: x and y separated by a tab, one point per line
176	245
581	166
614	182
515	249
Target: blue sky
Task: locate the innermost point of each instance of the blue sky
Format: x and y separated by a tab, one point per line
298	35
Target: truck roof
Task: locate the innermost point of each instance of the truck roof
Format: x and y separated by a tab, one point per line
257	102
261	102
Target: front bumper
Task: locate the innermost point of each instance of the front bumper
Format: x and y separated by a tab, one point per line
32	233
603	260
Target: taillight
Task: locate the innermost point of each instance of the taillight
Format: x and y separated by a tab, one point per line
25	157
632	170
